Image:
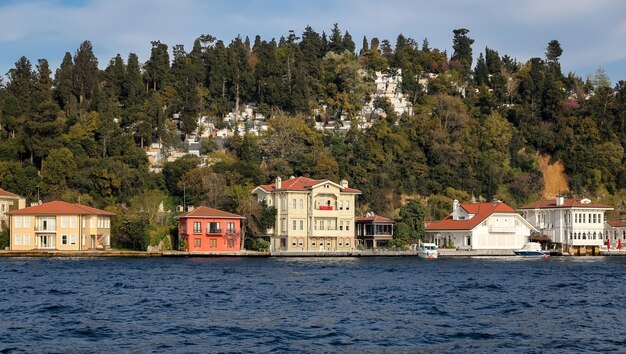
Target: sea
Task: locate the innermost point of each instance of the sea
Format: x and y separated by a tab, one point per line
313	305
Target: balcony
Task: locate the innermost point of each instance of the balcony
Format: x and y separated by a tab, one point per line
45	228
214	232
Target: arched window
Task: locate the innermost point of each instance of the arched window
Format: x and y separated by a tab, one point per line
584	236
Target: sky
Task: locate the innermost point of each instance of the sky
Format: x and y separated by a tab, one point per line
592	33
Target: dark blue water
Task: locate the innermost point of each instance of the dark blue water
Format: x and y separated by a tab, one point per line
399	305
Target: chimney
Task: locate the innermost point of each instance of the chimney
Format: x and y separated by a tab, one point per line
279	183
560	200
344	183
455	205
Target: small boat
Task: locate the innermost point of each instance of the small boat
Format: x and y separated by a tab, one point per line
532	249
428	251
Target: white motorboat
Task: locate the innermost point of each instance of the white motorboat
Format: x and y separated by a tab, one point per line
428	251
532	249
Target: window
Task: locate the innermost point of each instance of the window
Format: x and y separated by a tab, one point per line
340	241
26	221
347	226
197	242
347	205
92	222
84	240
468	240
301	242
347	242
341	205
313	242
72	239
293	203
18	240
212	243
64	240
18	221
84	222
197	227
293	242
230	242
26	240
594	218
293	224
301	204
230	227
64	221
301	225
328	243
73	221
340	225
321	224
329	225
213	227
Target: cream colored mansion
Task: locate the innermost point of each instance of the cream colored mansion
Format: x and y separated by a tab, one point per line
60	226
311	215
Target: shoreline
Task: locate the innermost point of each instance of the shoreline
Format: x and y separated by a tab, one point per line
443	253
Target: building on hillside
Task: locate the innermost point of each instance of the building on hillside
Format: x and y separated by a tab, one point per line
60	226
480	226
311	214
210	230
373	231
615	231
8	202
575	225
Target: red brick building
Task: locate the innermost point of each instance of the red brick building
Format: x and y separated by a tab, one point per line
210	230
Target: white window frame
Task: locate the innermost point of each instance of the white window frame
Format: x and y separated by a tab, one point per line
26	240
73	221
26	221
17	240
64	221
72	239
17	222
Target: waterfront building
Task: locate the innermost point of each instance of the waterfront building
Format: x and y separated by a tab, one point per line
206	229
373	231
575	225
8	202
311	214
480	226
60	226
615	231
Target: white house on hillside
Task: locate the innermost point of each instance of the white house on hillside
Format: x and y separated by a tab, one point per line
480	226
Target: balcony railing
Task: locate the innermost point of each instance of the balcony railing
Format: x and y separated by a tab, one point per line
45	228
214	232
325	207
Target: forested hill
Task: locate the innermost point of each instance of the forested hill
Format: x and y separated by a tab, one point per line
479	123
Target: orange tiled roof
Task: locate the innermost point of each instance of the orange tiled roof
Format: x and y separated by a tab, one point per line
206	212
58	207
374	218
302	184
4	193
567	203
617	223
481	212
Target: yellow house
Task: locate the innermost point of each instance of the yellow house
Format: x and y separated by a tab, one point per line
311	215
8	202
60	226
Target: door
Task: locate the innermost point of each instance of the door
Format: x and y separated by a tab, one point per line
93	241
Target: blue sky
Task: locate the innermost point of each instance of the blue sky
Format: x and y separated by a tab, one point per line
592	33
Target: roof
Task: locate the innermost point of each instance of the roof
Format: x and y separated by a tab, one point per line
567	203
373	218
4	193
617	223
481	212
206	212
302	184
59	208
